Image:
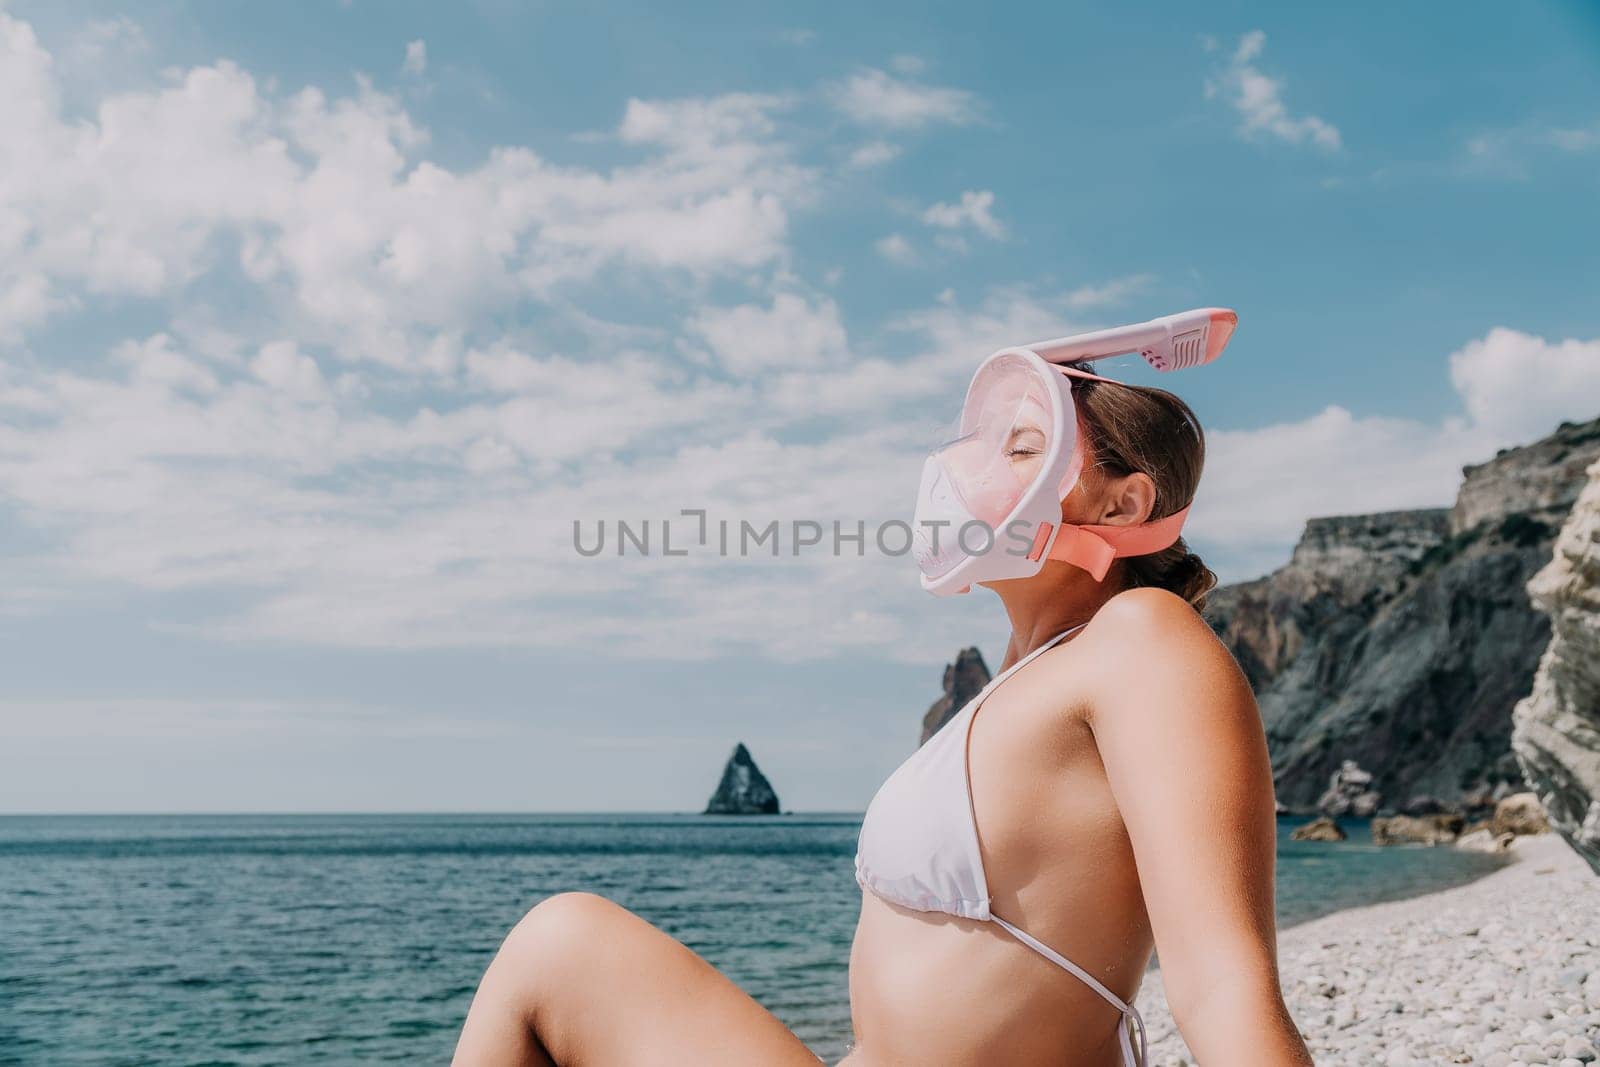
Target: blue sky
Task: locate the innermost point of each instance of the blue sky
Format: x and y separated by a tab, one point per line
320	326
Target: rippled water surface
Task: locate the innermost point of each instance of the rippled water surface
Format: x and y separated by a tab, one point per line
359	939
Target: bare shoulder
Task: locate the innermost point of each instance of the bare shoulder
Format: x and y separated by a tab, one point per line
1140	624
1150	651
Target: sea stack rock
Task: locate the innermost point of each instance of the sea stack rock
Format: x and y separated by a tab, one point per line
962	681
744	790
1556	732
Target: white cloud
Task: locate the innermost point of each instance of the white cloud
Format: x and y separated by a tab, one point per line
416	62
975	209
1108	294
161	477
874	154
373	252
1516	386
1258	98
338	518
349	505
896	249
702	126
387	445
101	40
1262	484
156	361
958	335
281	365
1509	152
792	333
876	98
502	368
1576	138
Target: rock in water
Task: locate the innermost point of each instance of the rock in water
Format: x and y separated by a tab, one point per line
744	789
1323	829
1557	727
962	681
1403	640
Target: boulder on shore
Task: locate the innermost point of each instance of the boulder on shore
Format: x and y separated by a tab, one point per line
1417	829
1484	839
1519	813
1322	829
744	790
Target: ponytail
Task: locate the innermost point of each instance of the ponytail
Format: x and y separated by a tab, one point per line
1175	569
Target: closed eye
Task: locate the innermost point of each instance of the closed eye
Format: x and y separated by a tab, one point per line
1025	441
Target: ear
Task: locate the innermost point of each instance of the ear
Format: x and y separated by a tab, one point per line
1129	500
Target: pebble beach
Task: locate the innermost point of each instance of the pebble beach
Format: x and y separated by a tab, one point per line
1501	972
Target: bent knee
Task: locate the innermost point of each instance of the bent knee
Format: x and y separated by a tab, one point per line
562	925
564	910
549	956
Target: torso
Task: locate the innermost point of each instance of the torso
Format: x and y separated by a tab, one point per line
927	987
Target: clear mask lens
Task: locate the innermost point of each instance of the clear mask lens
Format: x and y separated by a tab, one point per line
1004	441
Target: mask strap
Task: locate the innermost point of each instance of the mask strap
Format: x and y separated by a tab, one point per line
1074	372
1094	547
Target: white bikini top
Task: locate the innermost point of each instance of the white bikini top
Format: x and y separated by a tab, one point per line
919	844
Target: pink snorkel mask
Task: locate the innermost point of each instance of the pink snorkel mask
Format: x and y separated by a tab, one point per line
989	507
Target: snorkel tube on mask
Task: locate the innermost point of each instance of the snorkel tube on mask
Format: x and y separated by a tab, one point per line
989	506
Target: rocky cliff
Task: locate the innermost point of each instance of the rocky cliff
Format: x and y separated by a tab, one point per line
1402	640
962	681
744	790
1556	733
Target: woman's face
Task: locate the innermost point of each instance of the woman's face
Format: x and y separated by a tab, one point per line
1028	441
1004	450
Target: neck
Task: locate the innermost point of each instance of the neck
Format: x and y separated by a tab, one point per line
1039	609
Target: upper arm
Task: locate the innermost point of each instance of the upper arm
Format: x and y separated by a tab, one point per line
1186	757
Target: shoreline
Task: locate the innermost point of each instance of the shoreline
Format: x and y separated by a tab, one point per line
1501	971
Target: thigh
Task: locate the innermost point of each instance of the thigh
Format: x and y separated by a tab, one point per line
610	989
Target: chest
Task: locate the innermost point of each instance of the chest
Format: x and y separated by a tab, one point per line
1035	777
1002	796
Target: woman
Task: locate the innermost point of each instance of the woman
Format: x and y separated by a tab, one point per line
1113	797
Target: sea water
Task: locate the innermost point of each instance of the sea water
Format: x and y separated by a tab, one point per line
346	939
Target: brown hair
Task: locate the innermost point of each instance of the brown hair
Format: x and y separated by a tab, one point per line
1137	428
